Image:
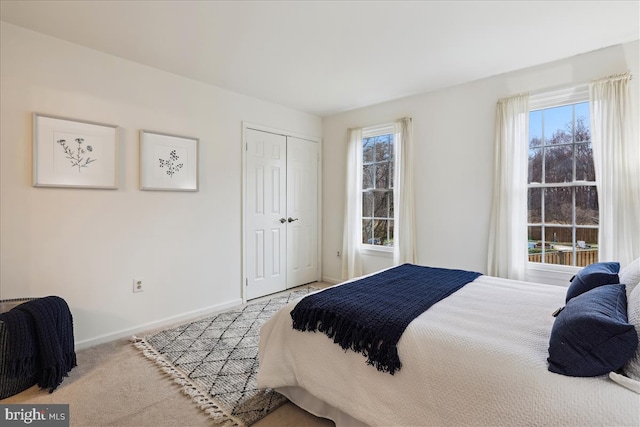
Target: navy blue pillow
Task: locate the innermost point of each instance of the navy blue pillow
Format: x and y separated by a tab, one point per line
592	276
592	336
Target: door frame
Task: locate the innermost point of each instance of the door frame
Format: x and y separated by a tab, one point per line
248	125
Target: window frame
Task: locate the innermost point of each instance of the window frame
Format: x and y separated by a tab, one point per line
541	101
369	132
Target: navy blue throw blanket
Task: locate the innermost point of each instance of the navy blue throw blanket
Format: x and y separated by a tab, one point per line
369	315
40	341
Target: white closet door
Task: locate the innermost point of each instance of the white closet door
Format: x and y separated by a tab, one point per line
265	210
302	211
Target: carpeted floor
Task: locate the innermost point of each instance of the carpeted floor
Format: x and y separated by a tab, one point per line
115	385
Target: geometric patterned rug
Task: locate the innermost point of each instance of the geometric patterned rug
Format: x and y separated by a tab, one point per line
215	360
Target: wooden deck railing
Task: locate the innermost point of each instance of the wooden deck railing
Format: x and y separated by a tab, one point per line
583	257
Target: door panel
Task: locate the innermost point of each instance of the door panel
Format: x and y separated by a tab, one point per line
266	206
302	211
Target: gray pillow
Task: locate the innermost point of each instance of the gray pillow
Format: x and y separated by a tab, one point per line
632	368
630	276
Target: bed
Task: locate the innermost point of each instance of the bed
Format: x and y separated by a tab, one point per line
477	357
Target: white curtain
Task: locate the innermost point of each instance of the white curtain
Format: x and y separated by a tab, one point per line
352	233
616	155
404	249
508	228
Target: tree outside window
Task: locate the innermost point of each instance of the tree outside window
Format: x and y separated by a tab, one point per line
377	189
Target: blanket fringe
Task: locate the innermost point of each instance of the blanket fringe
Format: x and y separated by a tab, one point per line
378	349
199	398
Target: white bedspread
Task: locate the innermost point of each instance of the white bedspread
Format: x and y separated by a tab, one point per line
476	358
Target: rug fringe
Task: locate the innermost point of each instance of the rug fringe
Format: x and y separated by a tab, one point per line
200	399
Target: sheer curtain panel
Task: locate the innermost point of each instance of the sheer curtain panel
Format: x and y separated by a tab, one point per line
616	155
404	248
352	233
507	255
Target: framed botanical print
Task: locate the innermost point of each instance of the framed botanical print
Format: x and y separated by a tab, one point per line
74	153
168	162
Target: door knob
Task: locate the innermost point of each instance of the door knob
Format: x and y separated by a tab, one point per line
282	220
292	219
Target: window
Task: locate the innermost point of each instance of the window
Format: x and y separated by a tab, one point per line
562	197
377	185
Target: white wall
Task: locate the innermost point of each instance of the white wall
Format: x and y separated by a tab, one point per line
87	245
453	133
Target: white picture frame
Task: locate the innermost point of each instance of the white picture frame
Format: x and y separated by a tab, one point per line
168	162
74	153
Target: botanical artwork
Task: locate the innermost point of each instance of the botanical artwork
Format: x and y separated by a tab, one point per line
168	162
71	153
79	155
171	164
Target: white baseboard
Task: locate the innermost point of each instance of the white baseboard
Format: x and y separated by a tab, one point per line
331	280
157	324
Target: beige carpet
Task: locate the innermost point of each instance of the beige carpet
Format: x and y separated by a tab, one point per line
115	385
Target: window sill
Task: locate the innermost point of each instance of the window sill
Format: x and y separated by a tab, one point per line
550	273
381	251
537	266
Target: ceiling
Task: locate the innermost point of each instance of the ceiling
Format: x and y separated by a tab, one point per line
325	57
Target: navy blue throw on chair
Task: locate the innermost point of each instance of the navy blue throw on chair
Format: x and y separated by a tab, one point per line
40	341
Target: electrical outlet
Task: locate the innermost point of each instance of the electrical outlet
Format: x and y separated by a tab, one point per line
138	285
338	254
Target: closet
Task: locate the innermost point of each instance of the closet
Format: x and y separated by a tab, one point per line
280	211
